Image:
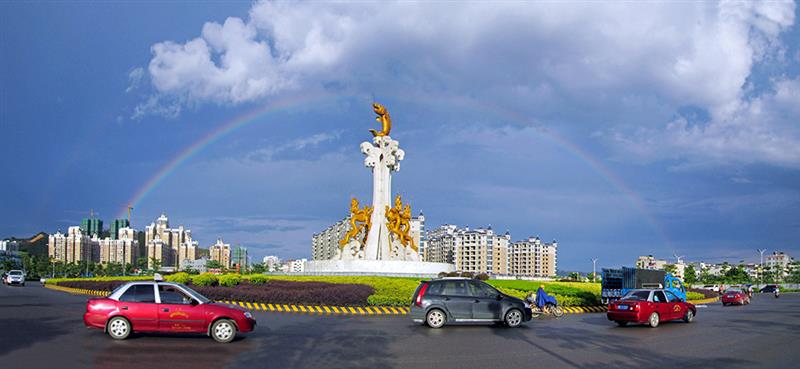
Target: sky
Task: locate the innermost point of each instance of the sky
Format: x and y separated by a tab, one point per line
618	129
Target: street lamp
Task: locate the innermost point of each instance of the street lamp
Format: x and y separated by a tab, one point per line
761	266
594	270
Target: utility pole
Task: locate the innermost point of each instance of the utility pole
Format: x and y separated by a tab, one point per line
594	270
761	266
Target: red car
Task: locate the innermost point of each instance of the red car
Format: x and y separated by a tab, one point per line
155	306
735	296
651	307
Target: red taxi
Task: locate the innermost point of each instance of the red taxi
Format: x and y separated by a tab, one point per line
650	306
155	306
735	296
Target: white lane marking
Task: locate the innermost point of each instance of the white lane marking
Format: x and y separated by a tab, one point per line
701	306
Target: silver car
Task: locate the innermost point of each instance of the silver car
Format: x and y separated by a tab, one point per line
15	277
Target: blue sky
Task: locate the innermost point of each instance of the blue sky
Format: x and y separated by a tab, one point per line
618	130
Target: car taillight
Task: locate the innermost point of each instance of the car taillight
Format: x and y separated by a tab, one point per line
421	293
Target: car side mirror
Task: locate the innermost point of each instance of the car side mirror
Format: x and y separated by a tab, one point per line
498	297
193	302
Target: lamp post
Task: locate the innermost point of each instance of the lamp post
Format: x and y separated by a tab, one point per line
761	266
594	270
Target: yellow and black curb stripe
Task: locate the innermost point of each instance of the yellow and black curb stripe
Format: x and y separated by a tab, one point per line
704	301
76	291
584	309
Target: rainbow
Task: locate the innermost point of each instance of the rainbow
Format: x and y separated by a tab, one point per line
287	103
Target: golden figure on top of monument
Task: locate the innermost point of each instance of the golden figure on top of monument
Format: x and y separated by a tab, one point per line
383	117
357	215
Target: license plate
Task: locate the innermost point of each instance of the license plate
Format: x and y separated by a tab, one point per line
622	307
731	296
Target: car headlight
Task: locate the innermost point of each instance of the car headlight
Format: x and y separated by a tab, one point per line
248	315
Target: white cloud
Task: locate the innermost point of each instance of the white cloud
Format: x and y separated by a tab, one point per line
595	55
134	79
294	145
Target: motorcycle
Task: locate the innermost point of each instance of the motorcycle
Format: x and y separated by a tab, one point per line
550	307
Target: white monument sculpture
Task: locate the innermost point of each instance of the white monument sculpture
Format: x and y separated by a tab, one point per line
378	239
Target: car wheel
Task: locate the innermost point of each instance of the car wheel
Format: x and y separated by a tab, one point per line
621	323
223	331
513	318
119	328
724	304
689	316
558	311
435	318
653	320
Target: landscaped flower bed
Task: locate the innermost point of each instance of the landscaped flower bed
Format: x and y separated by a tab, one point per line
274	292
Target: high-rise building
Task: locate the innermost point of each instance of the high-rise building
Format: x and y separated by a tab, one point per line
533	258
325	245
239	260
115	227
75	247
124	250
57	246
471	250
178	241
92	226
157	252
221	252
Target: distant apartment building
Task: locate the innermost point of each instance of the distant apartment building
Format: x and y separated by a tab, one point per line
169	245
297	266
239	259
74	247
533	258
198	265
471	250
124	249
325	244
92	226
649	262
115	226
778	262
9	245
221	252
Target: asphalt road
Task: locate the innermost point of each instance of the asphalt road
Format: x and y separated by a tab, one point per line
41	328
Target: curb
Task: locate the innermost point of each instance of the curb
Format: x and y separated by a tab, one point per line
311	309
704	301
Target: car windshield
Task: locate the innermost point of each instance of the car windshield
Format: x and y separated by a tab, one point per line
15	272
637	295
194	293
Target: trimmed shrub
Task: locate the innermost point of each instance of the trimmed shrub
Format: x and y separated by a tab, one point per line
257	279
482	277
181	277
442	274
205	279
467	274
230	280
690	295
705	293
285	292
453	274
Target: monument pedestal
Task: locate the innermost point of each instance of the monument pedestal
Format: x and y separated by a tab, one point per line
398	268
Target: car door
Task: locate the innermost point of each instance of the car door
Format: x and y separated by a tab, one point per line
179	312
484	304
662	305
676	306
457	300
138	304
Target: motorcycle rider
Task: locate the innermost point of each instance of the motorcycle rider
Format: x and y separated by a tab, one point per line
777	292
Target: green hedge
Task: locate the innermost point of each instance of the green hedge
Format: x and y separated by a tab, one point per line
694	296
230	280
181	277
205	279
257	278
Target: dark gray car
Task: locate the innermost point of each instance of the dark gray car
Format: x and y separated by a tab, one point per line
463	300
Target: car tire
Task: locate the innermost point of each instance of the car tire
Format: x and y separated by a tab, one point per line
435	318
653	320
621	323
689	317
118	328
223	331
724	304
513	318
558	312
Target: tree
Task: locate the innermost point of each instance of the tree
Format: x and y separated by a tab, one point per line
736	275
258	268
690	275
670	268
794	275
575	276
156	264
213	264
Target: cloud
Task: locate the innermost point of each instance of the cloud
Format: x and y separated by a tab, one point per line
268	153
585	59
134	79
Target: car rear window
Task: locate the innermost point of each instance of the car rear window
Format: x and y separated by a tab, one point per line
637	296
434	288
139	293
